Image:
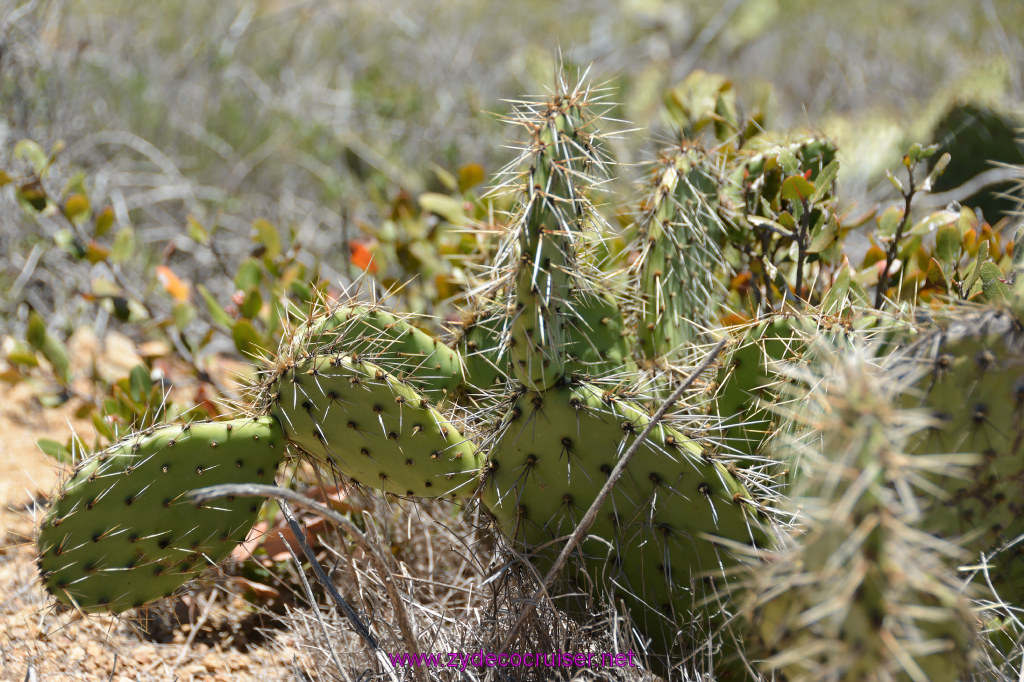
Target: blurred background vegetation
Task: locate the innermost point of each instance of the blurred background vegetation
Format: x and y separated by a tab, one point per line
195	164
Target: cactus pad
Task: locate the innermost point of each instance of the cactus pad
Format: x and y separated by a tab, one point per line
352	414
389	340
654	536
122	531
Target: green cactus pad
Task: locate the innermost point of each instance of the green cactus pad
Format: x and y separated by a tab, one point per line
597	342
387	339
546	231
377	430
859	593
653	536
478	343
975	387
677	255
122	531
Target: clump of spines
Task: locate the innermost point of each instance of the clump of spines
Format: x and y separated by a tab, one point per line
860	592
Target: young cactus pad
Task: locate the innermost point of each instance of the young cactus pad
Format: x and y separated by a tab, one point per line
677	257
544	239
123	532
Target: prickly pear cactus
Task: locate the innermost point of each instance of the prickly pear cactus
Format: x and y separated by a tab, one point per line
860	594
574	335
350	413
654	536
544	238
123	532
678	263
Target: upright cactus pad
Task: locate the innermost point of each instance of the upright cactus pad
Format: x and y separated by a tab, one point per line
123	532
678	264
542	248
350	413
859	593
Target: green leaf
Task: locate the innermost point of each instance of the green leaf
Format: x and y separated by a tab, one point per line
248	341
217	313
895	182
21	355
56	450
196	232
917	152
449	208
471	175
251	305
77	208
1018	249
932	222
123	247
889	221
947	242
57	355
824	235
937	170
32	153
104	221
183	314
989	271
992	283
248	275
835	299
976	266
35	334
934	273
445	177
823	183
796	188
139	383
265	234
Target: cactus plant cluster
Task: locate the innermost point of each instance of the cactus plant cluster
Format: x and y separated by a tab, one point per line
574	335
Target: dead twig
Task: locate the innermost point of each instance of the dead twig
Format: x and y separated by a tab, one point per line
257	490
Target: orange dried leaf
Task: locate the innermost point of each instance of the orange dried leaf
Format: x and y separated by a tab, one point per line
734	319
243	551
362	257
171	283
